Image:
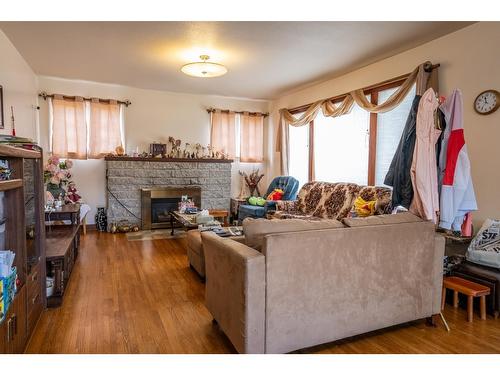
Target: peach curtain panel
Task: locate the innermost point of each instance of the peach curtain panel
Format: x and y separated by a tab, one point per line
69	130
251	138
421	75
223	132
105	133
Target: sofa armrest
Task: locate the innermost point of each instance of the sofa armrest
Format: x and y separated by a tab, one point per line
439	248
235	291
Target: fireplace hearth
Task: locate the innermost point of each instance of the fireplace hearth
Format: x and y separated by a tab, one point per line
156	203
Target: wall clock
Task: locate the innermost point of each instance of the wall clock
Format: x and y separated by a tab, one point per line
487	102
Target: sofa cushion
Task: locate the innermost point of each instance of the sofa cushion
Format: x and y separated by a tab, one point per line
327	200
256	229
403	217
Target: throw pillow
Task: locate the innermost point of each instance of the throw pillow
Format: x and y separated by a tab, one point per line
364	208
257	201
275	195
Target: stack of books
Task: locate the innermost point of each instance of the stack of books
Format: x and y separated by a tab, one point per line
22	142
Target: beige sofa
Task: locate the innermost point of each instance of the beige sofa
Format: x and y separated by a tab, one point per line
317	284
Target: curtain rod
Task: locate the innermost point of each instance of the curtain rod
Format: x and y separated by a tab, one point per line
211	110
44	95
366	90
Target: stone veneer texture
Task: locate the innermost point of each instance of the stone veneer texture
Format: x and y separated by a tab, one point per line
125	179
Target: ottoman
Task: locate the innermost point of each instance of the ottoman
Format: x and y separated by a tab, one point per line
195	250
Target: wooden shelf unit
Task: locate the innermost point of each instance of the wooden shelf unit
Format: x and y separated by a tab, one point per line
29	301
11	184
62	245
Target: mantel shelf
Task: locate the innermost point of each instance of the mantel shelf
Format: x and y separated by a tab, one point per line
168	160
11	184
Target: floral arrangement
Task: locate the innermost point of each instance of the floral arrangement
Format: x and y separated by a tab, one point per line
57	175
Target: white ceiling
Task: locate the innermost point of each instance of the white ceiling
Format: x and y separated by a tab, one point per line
265	59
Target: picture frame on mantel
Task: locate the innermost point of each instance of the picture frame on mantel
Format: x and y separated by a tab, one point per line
2	122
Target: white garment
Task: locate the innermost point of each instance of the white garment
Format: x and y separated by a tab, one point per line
457	192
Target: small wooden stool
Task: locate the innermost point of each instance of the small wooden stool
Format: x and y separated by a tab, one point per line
470	289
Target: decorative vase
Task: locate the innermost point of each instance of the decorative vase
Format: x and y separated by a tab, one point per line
101	219
56	190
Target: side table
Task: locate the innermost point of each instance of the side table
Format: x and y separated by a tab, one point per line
235	207
67	212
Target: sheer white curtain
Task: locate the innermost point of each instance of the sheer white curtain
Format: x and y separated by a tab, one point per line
251	138
69	128
223	132
105	130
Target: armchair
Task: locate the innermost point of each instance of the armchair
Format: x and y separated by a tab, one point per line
288	184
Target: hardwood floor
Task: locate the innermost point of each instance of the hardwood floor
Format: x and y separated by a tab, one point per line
141	297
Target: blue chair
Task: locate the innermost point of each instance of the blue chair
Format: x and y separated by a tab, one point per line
288	184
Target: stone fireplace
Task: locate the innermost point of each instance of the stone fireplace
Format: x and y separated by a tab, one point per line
128	179
156	203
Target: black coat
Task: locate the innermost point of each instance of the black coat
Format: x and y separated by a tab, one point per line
398	175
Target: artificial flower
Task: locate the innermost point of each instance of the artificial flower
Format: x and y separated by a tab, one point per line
54	160
55	180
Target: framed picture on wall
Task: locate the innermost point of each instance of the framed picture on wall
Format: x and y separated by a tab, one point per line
1	108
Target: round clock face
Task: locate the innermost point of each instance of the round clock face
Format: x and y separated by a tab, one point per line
487	102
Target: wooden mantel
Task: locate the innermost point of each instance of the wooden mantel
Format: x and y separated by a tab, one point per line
171	160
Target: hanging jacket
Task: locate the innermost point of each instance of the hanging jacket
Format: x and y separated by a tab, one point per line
445	136
439	144
423	171
398	175
457	192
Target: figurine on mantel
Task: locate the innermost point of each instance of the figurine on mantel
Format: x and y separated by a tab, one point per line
198	149
176	147
174	150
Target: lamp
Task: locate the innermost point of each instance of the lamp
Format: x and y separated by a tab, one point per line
204	68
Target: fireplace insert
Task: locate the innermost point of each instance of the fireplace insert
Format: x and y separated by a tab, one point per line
156	203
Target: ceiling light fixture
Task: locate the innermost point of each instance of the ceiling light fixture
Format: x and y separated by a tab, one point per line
204	68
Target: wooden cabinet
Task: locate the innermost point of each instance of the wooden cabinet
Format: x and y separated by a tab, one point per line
62	250
13	328
22	201
34	302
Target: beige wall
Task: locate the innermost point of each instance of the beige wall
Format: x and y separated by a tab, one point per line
152	117
19	90
469	61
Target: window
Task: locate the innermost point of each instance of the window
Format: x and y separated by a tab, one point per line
251	138
389	130
238	135
298	163
69	132
223	132
81	130
357	147
341	147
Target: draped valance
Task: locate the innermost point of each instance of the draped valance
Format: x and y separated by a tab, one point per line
420	75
